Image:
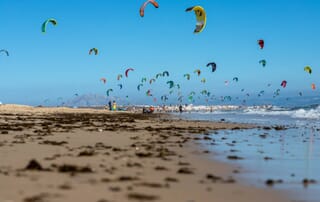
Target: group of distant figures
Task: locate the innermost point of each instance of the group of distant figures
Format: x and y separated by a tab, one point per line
112	106
151	109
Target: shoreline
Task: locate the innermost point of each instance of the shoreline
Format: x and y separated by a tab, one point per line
96	155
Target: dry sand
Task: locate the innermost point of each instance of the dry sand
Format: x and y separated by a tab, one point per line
60	154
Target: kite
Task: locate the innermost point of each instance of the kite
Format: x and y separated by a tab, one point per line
164	98
187	76
227	98
119	77
144	79
45	24
308	69
148	93
171	84
204	92
200	17
154	3
104	80
261	43
4	51
95	50
127	71
263	63
284	83
139	86
108	91
198	71
213	66
158	75
151	81
165	73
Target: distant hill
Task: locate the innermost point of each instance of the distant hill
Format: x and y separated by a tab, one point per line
87	100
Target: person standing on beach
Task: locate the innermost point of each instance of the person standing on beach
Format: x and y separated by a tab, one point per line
110	106
180	108
114	106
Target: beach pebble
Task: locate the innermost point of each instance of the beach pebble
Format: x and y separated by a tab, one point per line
33	165
230	180
263	135
115	189
185	171
65	186
130	164
143	154
142	197
103	200
73	169
160	168
171	179
152	185
87	153
127	178
213	177
183	164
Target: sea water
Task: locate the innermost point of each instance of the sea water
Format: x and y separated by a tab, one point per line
288	156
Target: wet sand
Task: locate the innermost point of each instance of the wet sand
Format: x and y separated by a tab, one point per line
61	154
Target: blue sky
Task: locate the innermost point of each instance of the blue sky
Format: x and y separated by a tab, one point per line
57	64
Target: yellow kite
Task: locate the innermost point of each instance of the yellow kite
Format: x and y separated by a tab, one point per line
200	16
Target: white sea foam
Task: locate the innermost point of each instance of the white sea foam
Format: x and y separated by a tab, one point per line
276	111
307	114
263	110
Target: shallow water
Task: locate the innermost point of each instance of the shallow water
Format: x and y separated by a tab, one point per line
289	155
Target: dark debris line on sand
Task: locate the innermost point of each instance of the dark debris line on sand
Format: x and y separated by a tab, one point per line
142	197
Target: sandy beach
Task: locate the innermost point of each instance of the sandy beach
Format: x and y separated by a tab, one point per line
62	154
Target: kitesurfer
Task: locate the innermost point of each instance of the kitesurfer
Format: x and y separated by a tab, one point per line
180	108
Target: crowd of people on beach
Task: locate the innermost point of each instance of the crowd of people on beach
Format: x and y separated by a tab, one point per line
147	109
